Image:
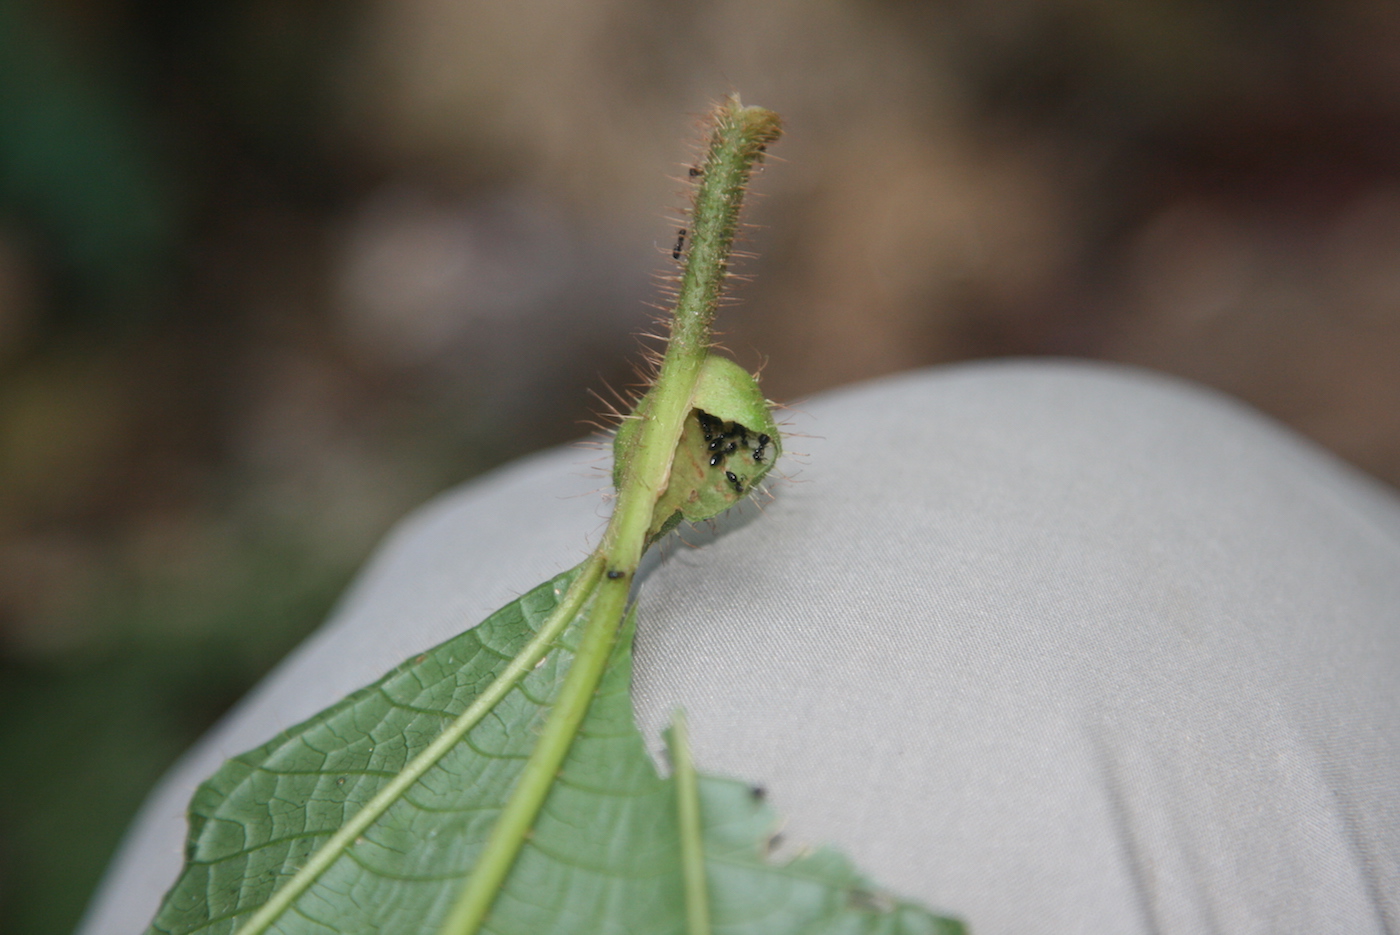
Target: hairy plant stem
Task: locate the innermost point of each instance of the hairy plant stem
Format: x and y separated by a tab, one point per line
736	144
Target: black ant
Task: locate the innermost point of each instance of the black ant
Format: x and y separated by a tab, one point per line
763	441
680	244
734	479
694	172
711	427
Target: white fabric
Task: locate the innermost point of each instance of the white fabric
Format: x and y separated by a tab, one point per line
1054	647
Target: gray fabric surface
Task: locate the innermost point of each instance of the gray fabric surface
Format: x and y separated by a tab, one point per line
1055	647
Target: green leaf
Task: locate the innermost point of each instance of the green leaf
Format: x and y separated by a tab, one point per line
819	892
604	855
263	815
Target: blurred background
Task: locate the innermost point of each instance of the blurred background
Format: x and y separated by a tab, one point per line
273	272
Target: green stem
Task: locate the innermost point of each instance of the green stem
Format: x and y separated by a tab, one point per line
513	825
590	572
737	143
741	134
697	891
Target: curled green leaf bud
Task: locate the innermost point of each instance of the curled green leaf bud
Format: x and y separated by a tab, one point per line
727	446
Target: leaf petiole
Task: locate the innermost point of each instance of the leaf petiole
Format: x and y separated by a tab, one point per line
512	827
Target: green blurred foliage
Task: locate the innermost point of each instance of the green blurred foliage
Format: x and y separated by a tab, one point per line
119	127
79	170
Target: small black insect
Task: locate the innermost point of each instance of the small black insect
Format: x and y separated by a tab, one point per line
694	172
680	244
716	442
763	441
734	480
730	448
758	793
614	574
716	458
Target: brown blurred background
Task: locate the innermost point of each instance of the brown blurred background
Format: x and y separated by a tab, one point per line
272	272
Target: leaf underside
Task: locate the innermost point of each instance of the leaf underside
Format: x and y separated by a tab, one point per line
604	853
